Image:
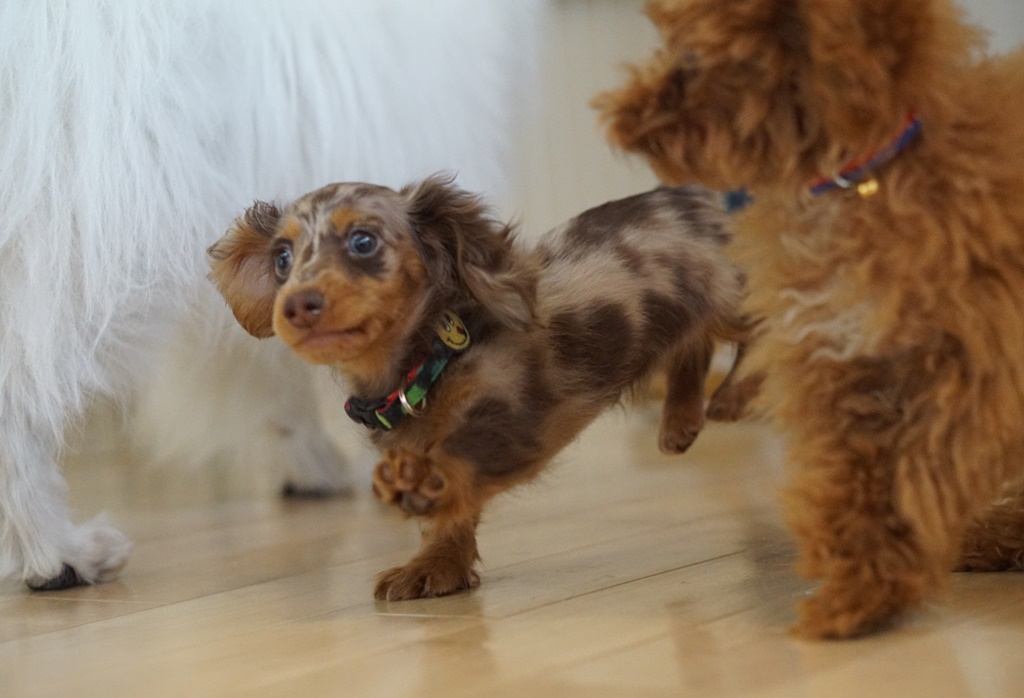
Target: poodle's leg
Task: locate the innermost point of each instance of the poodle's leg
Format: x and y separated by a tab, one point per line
682	416
443	494
880	502
38	541
995	540
853	537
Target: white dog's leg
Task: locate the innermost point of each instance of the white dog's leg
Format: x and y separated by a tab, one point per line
311	463
213	394
38	541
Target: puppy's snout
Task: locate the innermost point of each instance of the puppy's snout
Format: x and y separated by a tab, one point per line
304	308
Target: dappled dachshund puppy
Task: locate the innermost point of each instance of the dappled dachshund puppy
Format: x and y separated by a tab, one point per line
474	362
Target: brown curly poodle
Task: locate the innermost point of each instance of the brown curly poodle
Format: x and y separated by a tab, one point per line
884	154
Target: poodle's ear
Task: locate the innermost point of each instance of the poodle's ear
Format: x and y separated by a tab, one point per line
870	62
851	75
637	113
712	104
242	268
467	253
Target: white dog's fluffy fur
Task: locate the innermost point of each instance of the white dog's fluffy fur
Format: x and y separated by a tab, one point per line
131	133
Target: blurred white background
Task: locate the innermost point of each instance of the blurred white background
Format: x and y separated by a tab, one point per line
1003	18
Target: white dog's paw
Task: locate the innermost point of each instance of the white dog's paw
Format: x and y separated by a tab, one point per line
66	579
96	553
101	551
314	467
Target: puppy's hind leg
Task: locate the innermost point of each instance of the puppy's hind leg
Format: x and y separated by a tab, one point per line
731	400
38	541
682	416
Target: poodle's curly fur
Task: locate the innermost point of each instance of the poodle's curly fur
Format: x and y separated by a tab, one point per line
892	335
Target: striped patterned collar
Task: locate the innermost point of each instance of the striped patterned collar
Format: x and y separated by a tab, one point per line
410	399
859	174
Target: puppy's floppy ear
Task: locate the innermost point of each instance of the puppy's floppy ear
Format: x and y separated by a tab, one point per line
468	254
243	271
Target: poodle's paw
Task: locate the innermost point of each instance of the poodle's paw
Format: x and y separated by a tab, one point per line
97	553
990	558
425	578
994	542
842	610
412	482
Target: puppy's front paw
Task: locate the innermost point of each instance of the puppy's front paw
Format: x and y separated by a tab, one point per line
410	481
425	578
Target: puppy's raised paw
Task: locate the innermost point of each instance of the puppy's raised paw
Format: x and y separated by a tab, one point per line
677	437
411	482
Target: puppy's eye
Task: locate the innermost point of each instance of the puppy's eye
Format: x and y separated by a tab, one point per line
362	243
282	262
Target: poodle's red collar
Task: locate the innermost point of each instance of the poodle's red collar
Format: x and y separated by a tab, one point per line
858	174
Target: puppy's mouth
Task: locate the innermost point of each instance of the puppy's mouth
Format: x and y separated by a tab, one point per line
325	345
315	339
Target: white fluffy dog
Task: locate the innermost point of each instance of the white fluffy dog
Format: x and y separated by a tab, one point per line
131	133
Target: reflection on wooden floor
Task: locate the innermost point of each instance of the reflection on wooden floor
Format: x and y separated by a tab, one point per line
622	573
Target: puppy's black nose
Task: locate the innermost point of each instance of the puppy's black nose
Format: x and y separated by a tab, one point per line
303	309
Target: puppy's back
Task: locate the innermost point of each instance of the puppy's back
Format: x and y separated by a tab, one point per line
624	283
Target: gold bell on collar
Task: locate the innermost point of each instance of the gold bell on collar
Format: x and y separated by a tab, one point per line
869	187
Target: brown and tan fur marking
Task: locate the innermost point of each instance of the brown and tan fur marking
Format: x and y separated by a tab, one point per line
559	333
892	337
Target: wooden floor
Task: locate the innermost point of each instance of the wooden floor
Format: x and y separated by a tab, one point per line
623	573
